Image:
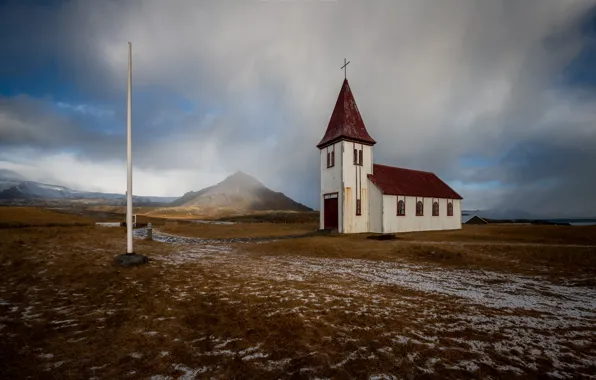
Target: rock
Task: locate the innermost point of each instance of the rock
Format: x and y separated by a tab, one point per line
130	259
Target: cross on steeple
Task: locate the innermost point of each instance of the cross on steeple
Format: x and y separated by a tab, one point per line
345	69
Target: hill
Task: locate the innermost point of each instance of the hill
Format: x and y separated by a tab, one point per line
239	192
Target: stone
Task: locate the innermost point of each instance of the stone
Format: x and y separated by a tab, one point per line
130	259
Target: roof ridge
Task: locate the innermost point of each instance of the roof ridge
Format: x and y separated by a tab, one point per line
397	167
393	180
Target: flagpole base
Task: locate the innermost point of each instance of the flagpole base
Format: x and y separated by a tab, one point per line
130	260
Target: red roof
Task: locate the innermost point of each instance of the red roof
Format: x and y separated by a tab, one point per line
399	181
346	121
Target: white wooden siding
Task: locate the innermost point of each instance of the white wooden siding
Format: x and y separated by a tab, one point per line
427	222
353	176
375	209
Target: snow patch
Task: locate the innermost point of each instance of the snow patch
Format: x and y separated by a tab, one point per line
189	373
255	356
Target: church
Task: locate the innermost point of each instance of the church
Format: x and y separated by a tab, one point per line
358	195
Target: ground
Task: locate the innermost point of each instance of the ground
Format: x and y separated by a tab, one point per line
484	302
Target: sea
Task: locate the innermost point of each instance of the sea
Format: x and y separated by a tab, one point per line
575	222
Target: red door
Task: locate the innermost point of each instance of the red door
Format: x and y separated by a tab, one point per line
330	209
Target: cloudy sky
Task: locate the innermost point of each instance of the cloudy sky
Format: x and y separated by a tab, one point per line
497	97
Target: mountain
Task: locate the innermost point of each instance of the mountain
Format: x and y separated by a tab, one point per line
10	189
239	191
14	188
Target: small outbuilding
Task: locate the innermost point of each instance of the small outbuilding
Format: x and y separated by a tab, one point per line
473	219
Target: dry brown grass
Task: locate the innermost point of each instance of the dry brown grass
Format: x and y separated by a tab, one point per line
238	230
511	233
66	275
60	295
34	216
197	212
18	217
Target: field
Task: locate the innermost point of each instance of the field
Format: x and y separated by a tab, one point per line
485	302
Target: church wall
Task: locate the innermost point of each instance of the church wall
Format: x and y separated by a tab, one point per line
457	209
331	181
355	183
427	222
375	214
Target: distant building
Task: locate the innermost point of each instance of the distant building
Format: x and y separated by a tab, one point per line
473	219
359	196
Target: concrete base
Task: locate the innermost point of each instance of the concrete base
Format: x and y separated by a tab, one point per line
328	231
130	260
382	237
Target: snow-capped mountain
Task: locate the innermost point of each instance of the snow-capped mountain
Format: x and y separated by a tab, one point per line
12	187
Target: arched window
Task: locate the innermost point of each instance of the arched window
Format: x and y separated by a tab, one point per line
357	156
401	208
449	209
435	208
330	159
419	208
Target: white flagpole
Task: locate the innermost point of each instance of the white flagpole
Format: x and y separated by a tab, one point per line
129	226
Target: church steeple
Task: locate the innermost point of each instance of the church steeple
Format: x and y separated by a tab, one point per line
346	122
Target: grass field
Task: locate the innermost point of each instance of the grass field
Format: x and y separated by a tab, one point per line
238	230
14	217
487	301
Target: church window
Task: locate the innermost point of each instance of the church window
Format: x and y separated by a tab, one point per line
419	208
401	208
330	159
358	157
435	208
449	209
333	158
358	207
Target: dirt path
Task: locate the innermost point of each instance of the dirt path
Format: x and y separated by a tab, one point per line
171	238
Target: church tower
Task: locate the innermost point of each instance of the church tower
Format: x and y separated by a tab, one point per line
346	160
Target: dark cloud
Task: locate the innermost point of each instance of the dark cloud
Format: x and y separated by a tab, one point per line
35	123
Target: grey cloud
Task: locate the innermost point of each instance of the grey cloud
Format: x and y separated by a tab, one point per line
35	123
11	175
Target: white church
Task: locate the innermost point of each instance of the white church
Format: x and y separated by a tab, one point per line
360	196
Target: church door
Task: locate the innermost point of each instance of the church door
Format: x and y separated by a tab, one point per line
330	208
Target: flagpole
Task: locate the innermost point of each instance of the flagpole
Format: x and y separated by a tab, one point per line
129	226
130	258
